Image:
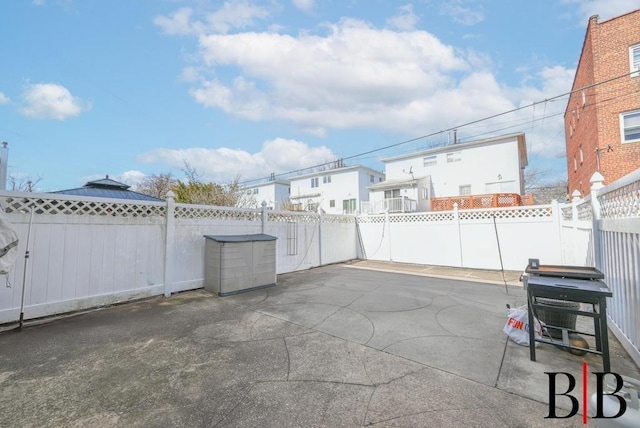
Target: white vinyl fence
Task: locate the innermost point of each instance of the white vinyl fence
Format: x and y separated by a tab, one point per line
492	238
87	252
603	230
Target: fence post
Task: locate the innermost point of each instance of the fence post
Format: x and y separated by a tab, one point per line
320	220
556	214
597	181
388	226
456	218
265	214
169	242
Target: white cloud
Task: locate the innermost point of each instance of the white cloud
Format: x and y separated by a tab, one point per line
462	13
605	9
405	19
222	164
235	14
304	5
131	177
178	23
355	75
3	99
51	101
352	77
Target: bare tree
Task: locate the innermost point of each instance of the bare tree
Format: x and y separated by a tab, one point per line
544	191
22	183
196	191
156	185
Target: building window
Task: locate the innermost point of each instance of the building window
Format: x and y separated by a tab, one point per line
314	182
349	206
379	179
326	179
332	203
453	157
393	193
634	60
465	190
575	164
255	191
430	160
630	127
372	179
581	155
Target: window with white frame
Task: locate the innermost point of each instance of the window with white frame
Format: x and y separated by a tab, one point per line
372	179
454	157
581	155
314	182
326	179
256	191
332	203
634	60
630	126
465	190
430	160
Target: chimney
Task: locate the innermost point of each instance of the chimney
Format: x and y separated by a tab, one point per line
4	158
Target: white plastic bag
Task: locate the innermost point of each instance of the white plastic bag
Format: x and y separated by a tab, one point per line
517	326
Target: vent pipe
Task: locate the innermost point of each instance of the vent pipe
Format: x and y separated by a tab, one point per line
4	158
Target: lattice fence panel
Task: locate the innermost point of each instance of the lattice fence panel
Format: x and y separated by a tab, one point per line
516	212
302	217
54	206
422	217
337	218
216	213
622	202
585	211
371	219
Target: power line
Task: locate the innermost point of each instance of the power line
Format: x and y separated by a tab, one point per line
453	128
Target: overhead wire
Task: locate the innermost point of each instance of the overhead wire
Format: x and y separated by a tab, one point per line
452	128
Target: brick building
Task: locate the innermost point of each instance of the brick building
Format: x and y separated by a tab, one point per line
602	121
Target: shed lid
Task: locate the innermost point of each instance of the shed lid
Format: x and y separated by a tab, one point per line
241	238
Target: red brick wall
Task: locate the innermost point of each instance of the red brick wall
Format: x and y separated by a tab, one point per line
605	55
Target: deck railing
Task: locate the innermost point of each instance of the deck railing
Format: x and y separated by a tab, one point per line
392	205
495	200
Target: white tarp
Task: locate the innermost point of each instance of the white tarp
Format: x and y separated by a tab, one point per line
8	245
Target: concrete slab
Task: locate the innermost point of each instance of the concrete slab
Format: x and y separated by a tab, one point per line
333	346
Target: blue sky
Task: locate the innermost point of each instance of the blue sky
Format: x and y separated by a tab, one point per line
245	88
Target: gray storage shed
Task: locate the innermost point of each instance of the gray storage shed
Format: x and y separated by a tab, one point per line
237	263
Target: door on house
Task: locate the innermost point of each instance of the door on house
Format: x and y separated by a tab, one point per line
349	206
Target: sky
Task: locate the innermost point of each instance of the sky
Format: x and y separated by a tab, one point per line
241	89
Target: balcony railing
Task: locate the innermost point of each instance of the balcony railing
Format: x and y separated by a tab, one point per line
393	205
494	200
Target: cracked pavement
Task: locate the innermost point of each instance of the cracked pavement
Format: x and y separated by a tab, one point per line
331	346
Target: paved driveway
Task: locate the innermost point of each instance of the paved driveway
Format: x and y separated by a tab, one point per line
333	346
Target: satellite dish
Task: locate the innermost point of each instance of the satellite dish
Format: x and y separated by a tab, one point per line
8	245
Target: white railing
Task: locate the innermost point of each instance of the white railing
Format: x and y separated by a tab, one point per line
392	205
603	230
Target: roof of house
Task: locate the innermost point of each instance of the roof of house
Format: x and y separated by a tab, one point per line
397	183
337	171
108	188
268	183
522	149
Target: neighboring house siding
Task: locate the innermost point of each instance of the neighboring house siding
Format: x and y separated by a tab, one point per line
348	184
592	120
488	168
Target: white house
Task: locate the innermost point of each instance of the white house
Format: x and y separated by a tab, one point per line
490	166
335	191
275	193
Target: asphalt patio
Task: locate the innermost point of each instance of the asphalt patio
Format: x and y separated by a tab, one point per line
355	344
